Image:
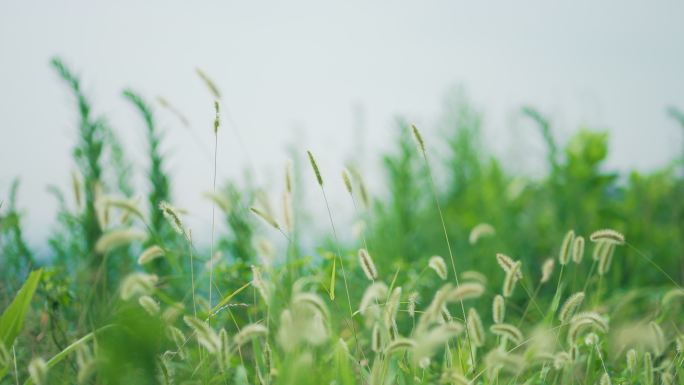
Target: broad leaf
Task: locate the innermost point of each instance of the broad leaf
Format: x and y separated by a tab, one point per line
12	319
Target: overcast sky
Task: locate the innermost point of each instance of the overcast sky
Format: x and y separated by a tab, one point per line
300	72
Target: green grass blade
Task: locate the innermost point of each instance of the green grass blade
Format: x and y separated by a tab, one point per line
332	280
12	319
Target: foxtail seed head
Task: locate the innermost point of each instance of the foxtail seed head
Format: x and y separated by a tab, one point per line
605	258
38	371
391	307
658	338
347	181
137	284
418	137
566	246
259	283
217	117
400	344
598	250
507	330
288	176
367	265
472	275
437	264
206	336
511	279
249	332
547	270
679	343
172	217
608	235
211	86
412	299
631	360
605	379
373	293
116	238
221	200
266	217
149	304
648	369
475	328
314	166
570	306
150	254
376	339
507	264
498	309
480	231
578	250
451	376
465	291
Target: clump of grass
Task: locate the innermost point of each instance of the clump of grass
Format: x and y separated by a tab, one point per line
278	320
159	185
88	151
17	255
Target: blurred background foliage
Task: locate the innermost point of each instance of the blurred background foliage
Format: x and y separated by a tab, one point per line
402	228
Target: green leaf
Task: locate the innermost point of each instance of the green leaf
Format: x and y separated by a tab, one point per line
555	303
240	376
12	319
227	299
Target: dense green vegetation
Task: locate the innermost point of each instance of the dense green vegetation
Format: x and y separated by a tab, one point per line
525	291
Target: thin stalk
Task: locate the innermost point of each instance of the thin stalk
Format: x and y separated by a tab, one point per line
532	297
590	276
16	371
365	246
213	209
527	307
560	279
61	355
642	255
600	356
448	243
192	273
344	274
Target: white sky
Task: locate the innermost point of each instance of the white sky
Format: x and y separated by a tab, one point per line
295	71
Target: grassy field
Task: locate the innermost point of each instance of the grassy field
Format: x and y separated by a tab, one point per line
460	273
